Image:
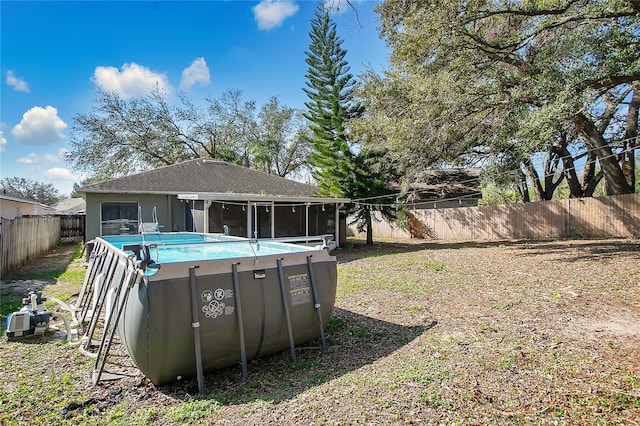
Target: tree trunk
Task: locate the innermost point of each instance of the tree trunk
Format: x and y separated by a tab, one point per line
615	182
369	228
575	189
532	173
522	187
631	137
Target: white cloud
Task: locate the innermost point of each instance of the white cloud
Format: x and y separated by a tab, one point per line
30	159
40	126
3	141
271	14
196	73
34	158
18	84
60	174
132	80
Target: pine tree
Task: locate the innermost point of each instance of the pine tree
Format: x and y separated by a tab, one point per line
338	171
330	90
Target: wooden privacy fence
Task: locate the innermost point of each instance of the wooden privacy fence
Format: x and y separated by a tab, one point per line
25	238
615	216
72	228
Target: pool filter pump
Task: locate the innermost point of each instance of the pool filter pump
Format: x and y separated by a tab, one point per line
32	319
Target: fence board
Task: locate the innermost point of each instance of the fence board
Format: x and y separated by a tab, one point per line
25	238
72	228
616	216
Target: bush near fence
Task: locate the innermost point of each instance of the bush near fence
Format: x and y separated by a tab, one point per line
616	216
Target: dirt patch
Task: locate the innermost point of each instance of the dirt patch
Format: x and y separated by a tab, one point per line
21	280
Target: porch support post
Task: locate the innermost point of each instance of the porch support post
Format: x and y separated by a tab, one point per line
169	227
272	217
337	225
248	209
306	220
207	204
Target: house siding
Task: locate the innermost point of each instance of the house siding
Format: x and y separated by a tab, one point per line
163	204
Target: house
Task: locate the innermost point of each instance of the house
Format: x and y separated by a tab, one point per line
13	205
443	188
206	195
70	206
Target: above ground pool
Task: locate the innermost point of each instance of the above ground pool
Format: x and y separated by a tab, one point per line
195	303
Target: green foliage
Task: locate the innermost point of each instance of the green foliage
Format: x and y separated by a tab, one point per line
192	411
492	194
340	168
121	136
501	81
331	104
436	265
281	146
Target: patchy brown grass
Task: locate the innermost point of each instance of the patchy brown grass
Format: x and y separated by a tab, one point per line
425	333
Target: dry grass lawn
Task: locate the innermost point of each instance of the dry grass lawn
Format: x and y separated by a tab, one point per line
423	333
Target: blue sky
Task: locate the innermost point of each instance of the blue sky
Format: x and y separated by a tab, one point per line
55	54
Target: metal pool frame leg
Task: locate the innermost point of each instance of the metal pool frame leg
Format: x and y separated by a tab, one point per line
236	296
316	302
196	328
285	306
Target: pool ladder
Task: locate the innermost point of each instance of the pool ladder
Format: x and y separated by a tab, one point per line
109	279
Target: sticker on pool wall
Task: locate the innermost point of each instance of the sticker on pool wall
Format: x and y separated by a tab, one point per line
207	296
216	309
213	309
219	294
299	289
214	305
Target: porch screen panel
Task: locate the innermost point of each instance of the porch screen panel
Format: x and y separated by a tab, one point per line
313	220
326	219
216	221
290	221
235	218
118	218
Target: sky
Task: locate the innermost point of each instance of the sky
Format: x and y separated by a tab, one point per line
55	54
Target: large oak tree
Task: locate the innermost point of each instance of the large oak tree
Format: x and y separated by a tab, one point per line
471	80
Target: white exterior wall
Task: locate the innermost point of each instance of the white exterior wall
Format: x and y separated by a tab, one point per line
10	209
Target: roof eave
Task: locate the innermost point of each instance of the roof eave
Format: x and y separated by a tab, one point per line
258	197
222	196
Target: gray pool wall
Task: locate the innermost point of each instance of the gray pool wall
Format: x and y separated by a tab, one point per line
156	327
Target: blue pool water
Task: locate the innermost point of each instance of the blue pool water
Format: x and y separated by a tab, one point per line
181	247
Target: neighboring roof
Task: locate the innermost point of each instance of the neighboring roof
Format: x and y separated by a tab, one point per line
70	205
206	179
12	196
445	184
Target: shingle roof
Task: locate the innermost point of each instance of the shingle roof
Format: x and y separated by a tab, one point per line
70	205
445	184
203	176
6	194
